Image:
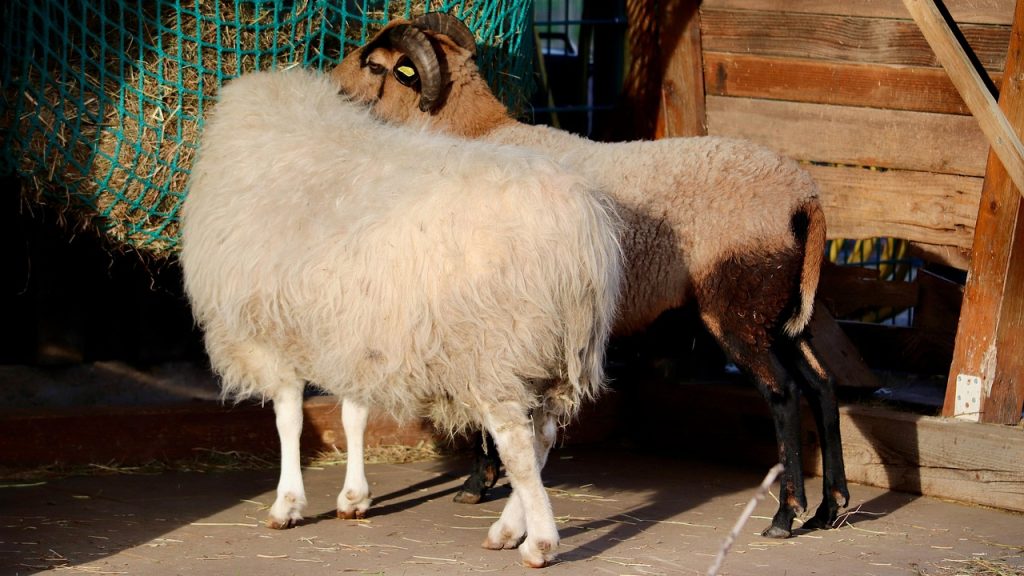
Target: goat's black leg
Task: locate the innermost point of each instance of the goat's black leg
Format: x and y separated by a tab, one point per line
484	475
819	388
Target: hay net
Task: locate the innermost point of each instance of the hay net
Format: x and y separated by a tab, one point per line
103	100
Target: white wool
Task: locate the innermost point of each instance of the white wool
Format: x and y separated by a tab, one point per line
414	273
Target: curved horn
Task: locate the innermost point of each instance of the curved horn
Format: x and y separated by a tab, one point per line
415	44
448	25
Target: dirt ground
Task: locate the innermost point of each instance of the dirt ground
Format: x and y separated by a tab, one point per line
619	513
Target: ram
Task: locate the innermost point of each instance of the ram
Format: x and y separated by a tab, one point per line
725	223
410	273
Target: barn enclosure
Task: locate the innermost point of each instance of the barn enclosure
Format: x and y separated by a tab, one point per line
906	112
885	104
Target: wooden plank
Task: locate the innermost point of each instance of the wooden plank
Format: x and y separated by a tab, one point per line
136	435
839	38
681	112
902	349
845	290
1005	400
937	312
845	84
837	352
967	11
976	463
935	210
988	342
139	434
972	88
919	141
641	85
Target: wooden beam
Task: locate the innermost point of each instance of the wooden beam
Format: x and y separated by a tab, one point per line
681	111
915	88
781	33
854	136
978	463
130	435
972	11
989	340
837	351
937	210
965	77
140	434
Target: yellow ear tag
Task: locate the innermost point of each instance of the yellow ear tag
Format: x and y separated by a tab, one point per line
407	71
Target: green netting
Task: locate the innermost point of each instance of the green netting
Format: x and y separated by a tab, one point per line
103	100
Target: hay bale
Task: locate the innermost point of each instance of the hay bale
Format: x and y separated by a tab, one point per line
145	154
109	128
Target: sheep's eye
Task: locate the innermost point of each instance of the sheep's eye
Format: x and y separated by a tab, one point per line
405	72
375	68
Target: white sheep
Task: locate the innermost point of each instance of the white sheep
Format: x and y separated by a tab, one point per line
410	273
725	223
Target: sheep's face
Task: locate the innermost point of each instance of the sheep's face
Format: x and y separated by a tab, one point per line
422	72
369	75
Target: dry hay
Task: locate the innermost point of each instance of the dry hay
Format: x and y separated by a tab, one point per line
381	454
115	150
208	460
165	98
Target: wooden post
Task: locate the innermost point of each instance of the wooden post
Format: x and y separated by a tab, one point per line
1001	135
681	110
986	379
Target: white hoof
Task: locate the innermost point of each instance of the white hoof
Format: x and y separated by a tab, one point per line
353	503
538	553
502	535
286	511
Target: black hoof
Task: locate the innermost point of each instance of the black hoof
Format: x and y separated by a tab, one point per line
776	532
463	497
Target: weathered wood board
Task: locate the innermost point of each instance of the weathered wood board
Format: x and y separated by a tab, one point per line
979	464
933	210
982	464
990	338
968	11
912	88
839	38
846	85
921	141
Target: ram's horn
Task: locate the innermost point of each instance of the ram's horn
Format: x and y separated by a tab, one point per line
448	25
415	44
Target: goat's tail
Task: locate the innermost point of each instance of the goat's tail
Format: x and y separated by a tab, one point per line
809	227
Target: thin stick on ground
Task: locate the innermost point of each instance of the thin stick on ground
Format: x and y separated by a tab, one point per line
762	490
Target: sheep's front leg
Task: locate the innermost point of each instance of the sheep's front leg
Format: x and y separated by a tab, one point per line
291	494
354	499
528	510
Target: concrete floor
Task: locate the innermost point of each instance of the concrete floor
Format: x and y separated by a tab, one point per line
619	513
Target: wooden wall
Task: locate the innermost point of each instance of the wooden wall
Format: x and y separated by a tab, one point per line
856	91
854	88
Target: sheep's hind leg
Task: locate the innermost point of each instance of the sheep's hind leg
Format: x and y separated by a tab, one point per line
819	388
753	356
291	494
528	510
783	398
483	477
354	498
